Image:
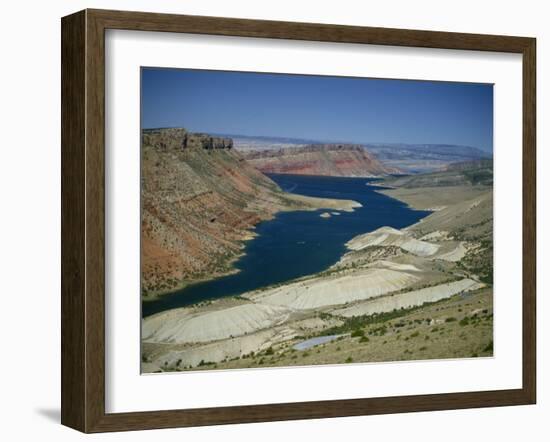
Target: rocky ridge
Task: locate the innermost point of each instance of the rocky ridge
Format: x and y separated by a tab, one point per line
346	160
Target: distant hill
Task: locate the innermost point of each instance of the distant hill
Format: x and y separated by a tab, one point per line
418	158
345	160
479	172
408	158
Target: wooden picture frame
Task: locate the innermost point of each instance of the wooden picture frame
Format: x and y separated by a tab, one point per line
83	220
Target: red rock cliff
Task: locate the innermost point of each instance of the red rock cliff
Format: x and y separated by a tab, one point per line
320	159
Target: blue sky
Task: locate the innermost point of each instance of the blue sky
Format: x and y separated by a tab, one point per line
358	110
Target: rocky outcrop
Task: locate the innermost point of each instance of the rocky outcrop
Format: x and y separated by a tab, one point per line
199	200
206	142
320	159
179	138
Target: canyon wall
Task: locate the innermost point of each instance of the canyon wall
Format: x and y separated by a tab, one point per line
346	160
199	200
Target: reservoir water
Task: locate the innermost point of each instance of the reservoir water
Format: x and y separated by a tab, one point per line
299	243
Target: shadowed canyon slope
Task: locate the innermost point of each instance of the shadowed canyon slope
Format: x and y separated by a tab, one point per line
346	160
200	199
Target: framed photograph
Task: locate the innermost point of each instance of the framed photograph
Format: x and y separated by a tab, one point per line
267	220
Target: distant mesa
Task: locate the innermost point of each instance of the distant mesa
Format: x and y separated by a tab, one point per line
400	158
338	160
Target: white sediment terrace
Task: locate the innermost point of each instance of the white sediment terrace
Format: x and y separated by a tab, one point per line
184	326
454	255
438	234
409	299
388	236
396	266
228	348
325	291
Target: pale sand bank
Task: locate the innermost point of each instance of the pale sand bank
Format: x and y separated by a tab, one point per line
454	255
325	291
410	299
324	203
395	266
388	236
181	325
226	349
434	236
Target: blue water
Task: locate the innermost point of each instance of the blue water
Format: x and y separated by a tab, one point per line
313	342
298	243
